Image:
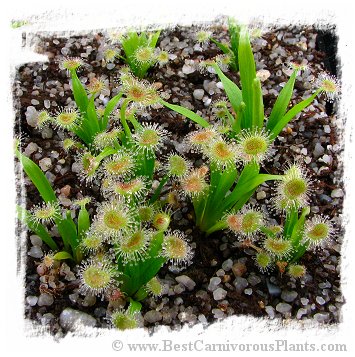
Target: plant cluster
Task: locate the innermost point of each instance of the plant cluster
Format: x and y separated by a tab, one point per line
122	247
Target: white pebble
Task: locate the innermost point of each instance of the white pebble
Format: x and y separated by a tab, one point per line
337	193
45	164
35	240
71	319
214	282
45	300
35	252
198	94
219	294
261	195
186	281
32	300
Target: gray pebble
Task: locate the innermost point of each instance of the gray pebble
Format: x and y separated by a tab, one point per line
153	316
321	317
320	300
34	102
283	307
35	240
45	300
304	301
288	296
214	282
32	300
302	311
337	193
227	265
71	319
253	279
240	283
318	150
248	291
261	195
186	281
273	289
35	252
198	94
270	311
219	294
45	164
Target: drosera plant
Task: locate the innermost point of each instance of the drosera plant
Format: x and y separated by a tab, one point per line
242	136
140	50
230	49
283	245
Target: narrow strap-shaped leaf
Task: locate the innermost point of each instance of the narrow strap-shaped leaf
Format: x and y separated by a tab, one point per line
187	113
62	256
291	114
93	121
110	106
154	39
157	192
83	222
80	96
247	75
199	204
281	104
242	189
134	306
68	233
233	92
37	228
224	48
258	105
297	232
290	221
37	177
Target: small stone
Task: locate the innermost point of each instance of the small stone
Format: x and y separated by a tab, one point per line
202	294
34	102
321	317
240	283
302	311
89	300
325	285
65	190
337	193
35	252
100	312
32	300
270	311
219	294
253	279
318	150
261	195
214	282
47	133
186	281
71	319
239	269
188	69
263	74
304	301
248	291
220	272
47	104
218	314
198	94
45	300
46	319
35	240
30	149
274	290
283	308
288	296
45	164
320	300
327	129
227	265
153	316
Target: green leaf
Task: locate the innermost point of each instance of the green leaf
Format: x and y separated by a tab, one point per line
37	177
134	306
80	96
233	92
247	75
258	105
93	121
37	228
291	114
62	256
187	113
224	48
83	222
110	106
281	104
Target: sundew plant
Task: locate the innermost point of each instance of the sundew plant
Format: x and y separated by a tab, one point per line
118	241
242	138
123	246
